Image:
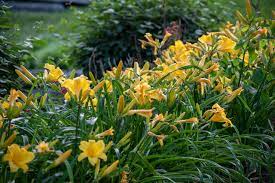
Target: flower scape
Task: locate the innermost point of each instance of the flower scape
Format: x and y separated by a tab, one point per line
199	112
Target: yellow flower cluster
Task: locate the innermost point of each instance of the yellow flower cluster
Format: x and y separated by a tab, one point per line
178	72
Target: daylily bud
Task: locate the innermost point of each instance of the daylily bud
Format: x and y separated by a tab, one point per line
166	37
119	69
51	144
72	74
108	146
121	104
248	8
129	106
124	140
228	98
43	100
240	17
27	72
214	67
110	169
98	86
171	98
92	78
62	157
146	66
142	112
1	120
189	120
23	77
22	95
230	35
10	139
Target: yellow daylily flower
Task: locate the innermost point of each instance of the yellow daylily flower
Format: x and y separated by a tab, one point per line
144	94
92	150
18	158
206	39
76	87
52	73
180	53
43	147
12	107
217	114
226	44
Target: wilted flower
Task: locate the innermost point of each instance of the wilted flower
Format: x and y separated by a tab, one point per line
158	117
160	138
142	112
106	133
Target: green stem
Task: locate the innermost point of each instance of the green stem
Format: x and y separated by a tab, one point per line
77	127
9	127
242	66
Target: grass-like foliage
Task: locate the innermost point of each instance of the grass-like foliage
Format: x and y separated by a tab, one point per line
201	113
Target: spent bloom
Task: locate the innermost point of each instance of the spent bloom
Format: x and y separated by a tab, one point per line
108	132
18	158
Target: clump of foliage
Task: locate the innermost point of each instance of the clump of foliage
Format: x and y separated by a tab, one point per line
9	53
112	29
194	116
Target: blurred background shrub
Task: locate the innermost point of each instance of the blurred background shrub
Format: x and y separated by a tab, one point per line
10	53
111	29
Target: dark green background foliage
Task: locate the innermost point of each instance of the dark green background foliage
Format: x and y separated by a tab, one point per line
9	54
112	28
